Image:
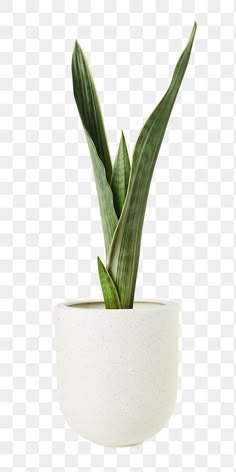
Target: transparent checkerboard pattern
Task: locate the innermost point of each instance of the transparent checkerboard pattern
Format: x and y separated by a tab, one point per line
50	225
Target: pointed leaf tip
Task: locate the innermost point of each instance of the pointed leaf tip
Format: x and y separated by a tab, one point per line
120	176
89	107
110	294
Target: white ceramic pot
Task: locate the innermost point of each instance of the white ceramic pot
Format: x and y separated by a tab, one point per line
117	369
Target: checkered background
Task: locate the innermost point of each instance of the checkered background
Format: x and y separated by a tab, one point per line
50	226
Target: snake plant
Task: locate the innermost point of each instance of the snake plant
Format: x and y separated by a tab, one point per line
122	187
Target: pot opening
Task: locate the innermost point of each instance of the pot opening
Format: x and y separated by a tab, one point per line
99	305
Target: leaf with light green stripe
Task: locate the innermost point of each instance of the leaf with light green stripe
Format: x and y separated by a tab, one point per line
110	294
88	106
120	176
123	257
105	197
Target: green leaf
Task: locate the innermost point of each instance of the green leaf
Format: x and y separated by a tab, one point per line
123	257
90	113
105	197
120	176
110	294
89	108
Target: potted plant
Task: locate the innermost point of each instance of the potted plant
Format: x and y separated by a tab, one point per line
117	359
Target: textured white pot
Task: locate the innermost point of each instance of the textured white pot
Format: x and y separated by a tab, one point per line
117	369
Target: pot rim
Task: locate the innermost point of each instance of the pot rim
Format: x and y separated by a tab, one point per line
149	305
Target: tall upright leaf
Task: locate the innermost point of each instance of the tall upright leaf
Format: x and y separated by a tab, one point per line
120	176
88	106
90	113
123	257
